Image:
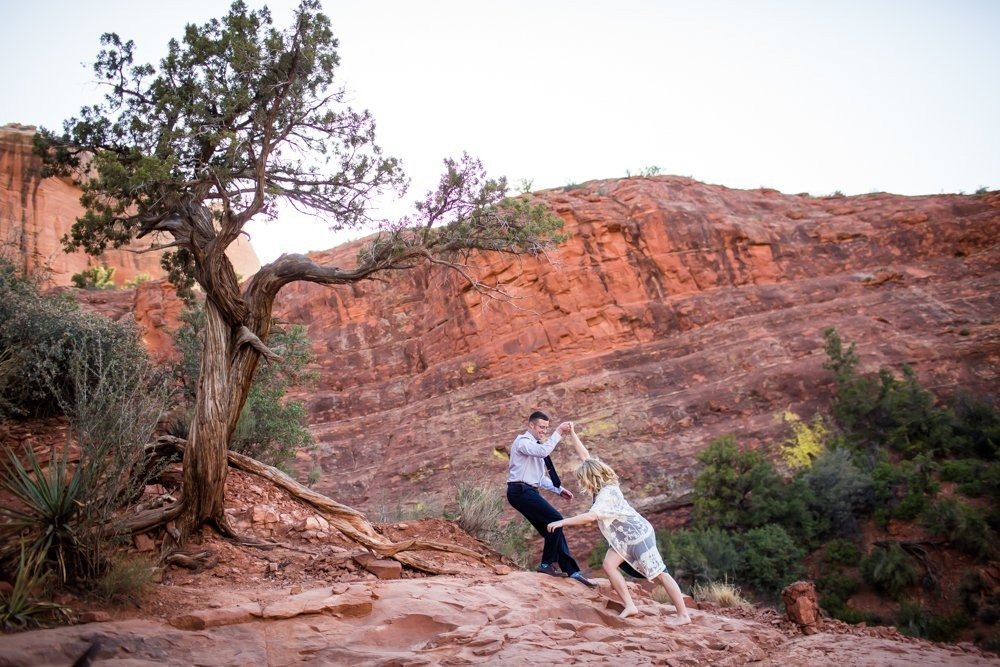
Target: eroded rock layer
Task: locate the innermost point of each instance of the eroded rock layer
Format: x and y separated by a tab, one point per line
35	214
675	312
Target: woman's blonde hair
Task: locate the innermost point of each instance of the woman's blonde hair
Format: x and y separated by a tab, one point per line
593	475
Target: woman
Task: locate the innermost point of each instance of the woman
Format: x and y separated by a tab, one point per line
629	535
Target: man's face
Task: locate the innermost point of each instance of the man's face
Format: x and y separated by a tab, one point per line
539	428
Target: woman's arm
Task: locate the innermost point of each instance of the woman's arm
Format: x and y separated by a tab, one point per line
581	451
577	520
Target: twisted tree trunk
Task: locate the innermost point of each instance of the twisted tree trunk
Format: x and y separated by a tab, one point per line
205	460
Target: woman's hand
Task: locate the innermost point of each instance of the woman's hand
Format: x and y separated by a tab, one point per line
555	525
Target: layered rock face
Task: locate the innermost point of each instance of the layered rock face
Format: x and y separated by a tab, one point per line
35	213
676	312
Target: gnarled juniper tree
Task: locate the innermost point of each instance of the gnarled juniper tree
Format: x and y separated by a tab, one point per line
239	116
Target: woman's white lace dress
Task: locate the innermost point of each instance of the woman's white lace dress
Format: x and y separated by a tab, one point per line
627	532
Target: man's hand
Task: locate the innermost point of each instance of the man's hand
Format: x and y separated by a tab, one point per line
565	428
566	493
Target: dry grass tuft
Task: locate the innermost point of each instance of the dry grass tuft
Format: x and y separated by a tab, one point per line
721	593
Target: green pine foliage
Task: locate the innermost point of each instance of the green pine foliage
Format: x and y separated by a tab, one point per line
839	492
897	413
700	556
770	559
840	552
736	489
964	526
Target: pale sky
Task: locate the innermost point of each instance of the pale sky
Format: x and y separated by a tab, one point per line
796	95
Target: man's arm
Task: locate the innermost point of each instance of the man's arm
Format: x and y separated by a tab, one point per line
528	446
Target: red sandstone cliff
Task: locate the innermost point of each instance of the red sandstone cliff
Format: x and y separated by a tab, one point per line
35	213
676	312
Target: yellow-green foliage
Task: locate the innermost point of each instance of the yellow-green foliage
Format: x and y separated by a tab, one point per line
138	280
805	443
95	277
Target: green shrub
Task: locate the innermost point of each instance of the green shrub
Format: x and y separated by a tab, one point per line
314	476
892	411
856	399
992	643
971	589
912	619
961	470
985	485
840	492
97	373
854	616
113	397
836	588
902	488
961	525
95	277
977	427
700	556
841	552
889	569
911	506
35	332
769	559
915	621
739	490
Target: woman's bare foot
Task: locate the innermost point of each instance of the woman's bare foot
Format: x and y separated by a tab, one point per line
679	620
628	611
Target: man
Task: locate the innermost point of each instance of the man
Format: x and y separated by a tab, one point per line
529	470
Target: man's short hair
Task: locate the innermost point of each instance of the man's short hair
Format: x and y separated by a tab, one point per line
536	415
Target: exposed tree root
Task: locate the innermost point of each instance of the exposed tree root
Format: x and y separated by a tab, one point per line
353	524
347	520
193	560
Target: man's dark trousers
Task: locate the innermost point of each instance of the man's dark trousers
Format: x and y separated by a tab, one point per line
529	502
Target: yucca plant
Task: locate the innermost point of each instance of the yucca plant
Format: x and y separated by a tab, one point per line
45	516
18	609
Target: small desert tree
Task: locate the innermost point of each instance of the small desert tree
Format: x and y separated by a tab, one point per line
239	116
